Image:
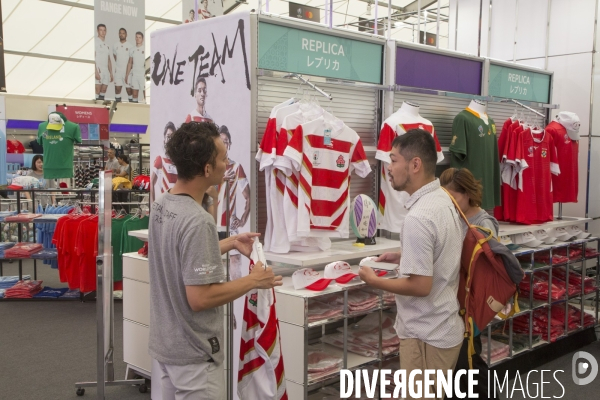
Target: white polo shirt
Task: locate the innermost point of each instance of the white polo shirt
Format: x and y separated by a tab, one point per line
432	239
121	51
102	53
139	60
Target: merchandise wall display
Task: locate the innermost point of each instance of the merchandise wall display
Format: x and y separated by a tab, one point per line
475	146
391	201
57	136
529	159
308	155
565	132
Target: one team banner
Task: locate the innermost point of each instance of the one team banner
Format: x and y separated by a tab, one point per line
200	72
119	50
194	10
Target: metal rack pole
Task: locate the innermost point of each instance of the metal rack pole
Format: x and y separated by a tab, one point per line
230	307
524	106
104	299
307	81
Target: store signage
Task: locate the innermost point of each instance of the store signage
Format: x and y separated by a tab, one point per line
119	29
301	11
436	71
85	115
282	48
518	84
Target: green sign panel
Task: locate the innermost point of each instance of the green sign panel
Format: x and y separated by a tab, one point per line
293	50
513	83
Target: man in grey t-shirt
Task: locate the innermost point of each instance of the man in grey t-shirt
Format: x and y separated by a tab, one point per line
111	164
187	279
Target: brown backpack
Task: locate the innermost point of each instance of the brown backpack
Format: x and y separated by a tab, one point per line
485	286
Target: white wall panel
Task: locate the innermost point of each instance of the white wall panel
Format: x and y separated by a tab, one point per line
571	26
468	26
503	29
452	24
534	62
531	28
572	80
485	23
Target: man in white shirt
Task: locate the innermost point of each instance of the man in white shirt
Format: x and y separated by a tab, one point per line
120	52
428	322
136	68
103	70
112	164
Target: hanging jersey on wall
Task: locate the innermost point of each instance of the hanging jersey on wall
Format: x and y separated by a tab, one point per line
535	198
58	148
325	154
475	146
566	185
391	202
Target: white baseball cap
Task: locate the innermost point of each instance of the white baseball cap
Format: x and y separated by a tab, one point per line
576	231
340	271
55	122
527	239
542	235
308	278
559	233
571	123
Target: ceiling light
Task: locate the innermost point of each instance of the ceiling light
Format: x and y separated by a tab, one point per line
425	15
369	9
399	24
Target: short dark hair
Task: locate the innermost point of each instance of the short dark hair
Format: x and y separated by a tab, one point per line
192	11
418	143
225	131
100	26
124	158
123	29
169	127
140	33
192	147
198	80
34	160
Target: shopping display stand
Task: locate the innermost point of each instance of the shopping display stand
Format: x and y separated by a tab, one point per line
105	373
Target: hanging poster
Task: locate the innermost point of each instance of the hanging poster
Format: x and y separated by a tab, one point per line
200	72
119	50
194	10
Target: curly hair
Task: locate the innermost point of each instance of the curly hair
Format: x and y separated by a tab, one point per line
192	147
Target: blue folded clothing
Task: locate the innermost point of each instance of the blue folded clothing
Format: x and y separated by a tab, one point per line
45	254
51	293
6	282
71	294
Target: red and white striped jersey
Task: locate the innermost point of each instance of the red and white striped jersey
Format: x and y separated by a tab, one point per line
260	373
197	117
166	173
240	181
324	175
391	202
275	233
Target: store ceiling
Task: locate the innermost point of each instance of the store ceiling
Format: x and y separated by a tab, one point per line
49	43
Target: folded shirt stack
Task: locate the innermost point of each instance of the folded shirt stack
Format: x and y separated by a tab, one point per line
45	254
322	364
575	279
23	217
50	293
5	246
23	250
6	282
360	301
23	290
2	293
4	214
71	294
319	311
498	350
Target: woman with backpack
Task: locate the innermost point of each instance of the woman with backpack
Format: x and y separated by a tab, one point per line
467	191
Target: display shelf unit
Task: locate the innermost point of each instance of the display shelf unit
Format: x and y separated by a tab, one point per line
531	306
513	229
299	335
340	251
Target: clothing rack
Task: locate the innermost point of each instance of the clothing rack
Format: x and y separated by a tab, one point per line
524	106
307	81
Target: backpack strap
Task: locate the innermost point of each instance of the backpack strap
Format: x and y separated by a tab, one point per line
464	217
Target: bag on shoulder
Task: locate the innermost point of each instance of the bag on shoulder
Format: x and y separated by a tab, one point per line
489	276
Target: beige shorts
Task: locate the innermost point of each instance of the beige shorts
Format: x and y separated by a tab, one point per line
416	354
190	382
